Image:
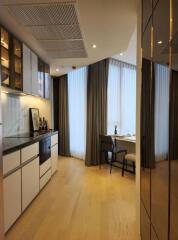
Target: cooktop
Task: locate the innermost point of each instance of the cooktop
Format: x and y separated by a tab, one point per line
28	134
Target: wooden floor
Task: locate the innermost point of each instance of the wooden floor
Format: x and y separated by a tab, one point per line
81	203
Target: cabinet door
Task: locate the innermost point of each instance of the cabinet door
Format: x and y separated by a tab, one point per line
41	69
30	182
47	79
27	73
16	57
54	158
34	69
5	57
12	198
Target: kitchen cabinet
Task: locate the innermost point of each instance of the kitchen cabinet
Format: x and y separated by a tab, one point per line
54	140
17	58
31	83
11	61
30	182
54	158
45	179
12	198
41	78
21	69
34	72
29	152
45	173
5	57
47	81
11	161
54	153
27	70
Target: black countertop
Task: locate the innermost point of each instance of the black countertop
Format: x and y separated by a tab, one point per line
16	142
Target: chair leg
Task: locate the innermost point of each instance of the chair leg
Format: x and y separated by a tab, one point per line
100	159
106	157
123	166
112	158
133	167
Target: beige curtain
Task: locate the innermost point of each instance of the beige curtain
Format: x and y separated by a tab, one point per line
96	109
64	148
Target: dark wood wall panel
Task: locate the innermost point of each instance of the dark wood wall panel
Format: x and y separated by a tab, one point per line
174	127
159	120
161	79
145	223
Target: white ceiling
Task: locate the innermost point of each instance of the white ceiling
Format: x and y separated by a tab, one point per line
129	56
109	24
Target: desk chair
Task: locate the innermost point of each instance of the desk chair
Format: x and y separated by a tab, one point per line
130	157
107	145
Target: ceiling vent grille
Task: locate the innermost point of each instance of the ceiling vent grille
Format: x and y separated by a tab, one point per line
45	14
55	25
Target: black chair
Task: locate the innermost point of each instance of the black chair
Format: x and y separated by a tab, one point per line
129	157
107	145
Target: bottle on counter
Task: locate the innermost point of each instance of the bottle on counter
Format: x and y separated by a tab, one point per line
40	124
45	125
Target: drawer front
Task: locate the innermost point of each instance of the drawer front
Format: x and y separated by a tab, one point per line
44	180
29	152
54	139
11	161
54	158
12	198
30	182
45	167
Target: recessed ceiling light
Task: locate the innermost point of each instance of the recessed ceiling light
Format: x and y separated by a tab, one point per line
94	46
160	42
57	69
121	54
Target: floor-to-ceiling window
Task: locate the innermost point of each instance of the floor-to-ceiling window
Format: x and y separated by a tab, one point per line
77	91
121	98
161	112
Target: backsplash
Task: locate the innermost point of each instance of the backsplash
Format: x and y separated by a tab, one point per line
15	112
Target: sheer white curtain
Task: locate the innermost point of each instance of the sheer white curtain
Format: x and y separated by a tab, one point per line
161	112
121	97
77	95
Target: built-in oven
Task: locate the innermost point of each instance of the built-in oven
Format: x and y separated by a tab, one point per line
45	149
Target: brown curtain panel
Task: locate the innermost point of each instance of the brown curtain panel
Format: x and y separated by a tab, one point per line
147	115
96	109
64	148
173	122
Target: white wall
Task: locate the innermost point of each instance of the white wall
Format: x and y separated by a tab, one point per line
15	112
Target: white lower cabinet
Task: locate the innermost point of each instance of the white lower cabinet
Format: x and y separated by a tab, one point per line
45	178
12	198
54	158
30	182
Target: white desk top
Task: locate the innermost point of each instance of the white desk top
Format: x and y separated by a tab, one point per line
124	138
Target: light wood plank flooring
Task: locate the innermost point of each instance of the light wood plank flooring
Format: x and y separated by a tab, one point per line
81	203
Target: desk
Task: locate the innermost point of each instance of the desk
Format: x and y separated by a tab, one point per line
128	143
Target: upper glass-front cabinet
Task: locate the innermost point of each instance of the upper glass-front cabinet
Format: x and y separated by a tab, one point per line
5	58
11	60
17	66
